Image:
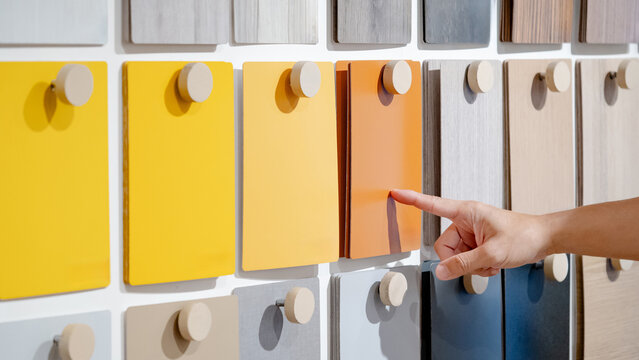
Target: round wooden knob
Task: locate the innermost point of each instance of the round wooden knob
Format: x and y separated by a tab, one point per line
397	77
194	321
475	284
74	84
480	76
77	342
299	305
621	264
556	267
195	82
392	288
628	74
306	79
558	76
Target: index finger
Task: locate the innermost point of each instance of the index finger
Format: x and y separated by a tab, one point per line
432	204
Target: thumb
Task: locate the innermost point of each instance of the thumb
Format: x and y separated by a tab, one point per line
462	264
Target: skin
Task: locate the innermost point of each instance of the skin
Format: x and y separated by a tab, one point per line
484	239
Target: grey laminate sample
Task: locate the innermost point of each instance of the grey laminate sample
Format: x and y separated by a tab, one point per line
456	21
81	22
275	21
372	21
180	21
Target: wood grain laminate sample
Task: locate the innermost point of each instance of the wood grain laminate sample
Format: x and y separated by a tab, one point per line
372	21
275	21
179	21
536	21
607	129
456	21
609	21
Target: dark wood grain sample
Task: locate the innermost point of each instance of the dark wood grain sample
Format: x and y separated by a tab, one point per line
536	21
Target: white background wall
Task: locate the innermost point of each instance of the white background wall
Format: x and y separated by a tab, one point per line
117	297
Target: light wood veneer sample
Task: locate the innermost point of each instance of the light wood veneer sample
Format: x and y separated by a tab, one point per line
275	21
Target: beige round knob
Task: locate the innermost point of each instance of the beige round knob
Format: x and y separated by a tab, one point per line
557	76
475	284
628	74
194	321
397	77
392	288
306	79
556	267
195	82
74	84
480	76
621	264
299	305
77	342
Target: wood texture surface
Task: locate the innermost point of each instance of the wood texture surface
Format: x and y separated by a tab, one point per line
456	21
536	21
372	21
609	21
275	21
53	22
179	21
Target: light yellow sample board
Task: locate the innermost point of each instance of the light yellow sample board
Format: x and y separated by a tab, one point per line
54	212
291	211
179	176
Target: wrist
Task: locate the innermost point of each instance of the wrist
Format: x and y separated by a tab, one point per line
550	233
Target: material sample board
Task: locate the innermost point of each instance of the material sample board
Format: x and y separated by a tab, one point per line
609	21
179	21
469	144
54	218
275	21
536	21
267	334
607	126
33	22
179	176
456	21
382	151
456	324
290	211
362	327
152	331
372	22
33	339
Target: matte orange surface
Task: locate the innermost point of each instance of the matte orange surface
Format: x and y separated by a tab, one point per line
384	152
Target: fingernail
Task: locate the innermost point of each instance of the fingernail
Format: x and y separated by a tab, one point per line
442	272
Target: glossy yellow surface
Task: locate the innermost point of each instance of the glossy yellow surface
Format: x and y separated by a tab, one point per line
54	203
291	214
179	176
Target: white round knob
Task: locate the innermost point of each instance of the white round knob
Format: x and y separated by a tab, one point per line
558	76
74	84
621	264
299	305
195	82
628	74
306	79
392	288
397	77
77	342
480	76
194	321
556	267
475	284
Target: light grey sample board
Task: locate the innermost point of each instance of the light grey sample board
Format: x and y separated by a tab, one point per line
266	334
275	21
79	22
458	325
33	339
179	21
456	21
464	139
362	327
372	21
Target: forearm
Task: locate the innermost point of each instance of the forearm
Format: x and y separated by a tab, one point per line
608	230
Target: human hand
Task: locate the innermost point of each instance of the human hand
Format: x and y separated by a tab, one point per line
482	239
